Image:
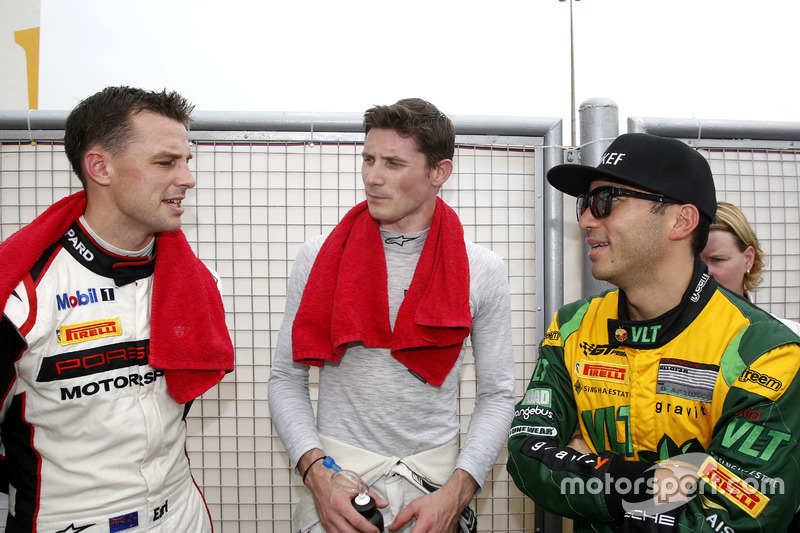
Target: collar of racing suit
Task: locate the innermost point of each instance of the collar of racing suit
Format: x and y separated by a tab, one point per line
80	245
659	331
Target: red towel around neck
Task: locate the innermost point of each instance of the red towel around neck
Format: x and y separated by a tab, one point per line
190	342
346	300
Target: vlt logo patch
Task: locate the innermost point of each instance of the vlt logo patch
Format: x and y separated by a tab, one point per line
753	440
602	371
645	334
630	335
87	331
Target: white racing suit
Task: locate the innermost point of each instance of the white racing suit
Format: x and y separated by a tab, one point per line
399	481
92	439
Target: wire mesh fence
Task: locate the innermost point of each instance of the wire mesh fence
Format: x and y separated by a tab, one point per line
255	203
764	182
258	200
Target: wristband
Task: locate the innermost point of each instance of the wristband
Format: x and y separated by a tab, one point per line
315	461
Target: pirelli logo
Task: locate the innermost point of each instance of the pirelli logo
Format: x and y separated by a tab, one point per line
734	488
603	371
87	331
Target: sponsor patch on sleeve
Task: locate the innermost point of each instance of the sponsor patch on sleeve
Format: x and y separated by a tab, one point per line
732	487
537	397
552	338
769	378
538	431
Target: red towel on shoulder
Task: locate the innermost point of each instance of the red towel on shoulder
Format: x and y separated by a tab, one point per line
190	342
346	299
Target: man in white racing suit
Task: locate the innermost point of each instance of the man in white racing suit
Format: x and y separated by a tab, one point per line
93	397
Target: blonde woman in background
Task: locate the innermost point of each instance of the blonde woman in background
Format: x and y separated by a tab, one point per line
734	255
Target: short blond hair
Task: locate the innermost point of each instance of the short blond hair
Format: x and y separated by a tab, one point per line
731	219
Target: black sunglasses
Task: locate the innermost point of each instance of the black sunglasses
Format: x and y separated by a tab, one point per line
599	200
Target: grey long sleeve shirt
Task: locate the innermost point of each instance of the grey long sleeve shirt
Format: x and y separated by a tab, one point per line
371	400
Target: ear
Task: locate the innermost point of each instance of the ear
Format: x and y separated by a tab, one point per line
749	258
96	166
443	170
685	222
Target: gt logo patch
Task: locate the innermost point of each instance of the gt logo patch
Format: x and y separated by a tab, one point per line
601	349
553	335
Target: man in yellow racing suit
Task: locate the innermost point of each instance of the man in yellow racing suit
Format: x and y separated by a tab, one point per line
670	403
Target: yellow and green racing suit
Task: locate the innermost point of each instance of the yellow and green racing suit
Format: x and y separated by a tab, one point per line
711	383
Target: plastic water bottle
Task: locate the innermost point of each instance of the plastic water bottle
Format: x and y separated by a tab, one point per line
365	504
352	482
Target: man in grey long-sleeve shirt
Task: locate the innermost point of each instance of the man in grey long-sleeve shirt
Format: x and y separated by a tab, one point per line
369	401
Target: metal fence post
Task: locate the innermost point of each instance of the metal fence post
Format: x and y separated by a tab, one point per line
599	125
553	298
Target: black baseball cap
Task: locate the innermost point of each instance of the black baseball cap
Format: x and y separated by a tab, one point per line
657	164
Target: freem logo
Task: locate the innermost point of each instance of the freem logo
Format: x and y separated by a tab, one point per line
760	378
89	296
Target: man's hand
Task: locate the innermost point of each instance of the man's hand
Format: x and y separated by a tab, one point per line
675	481
334	505
438	512
578	443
